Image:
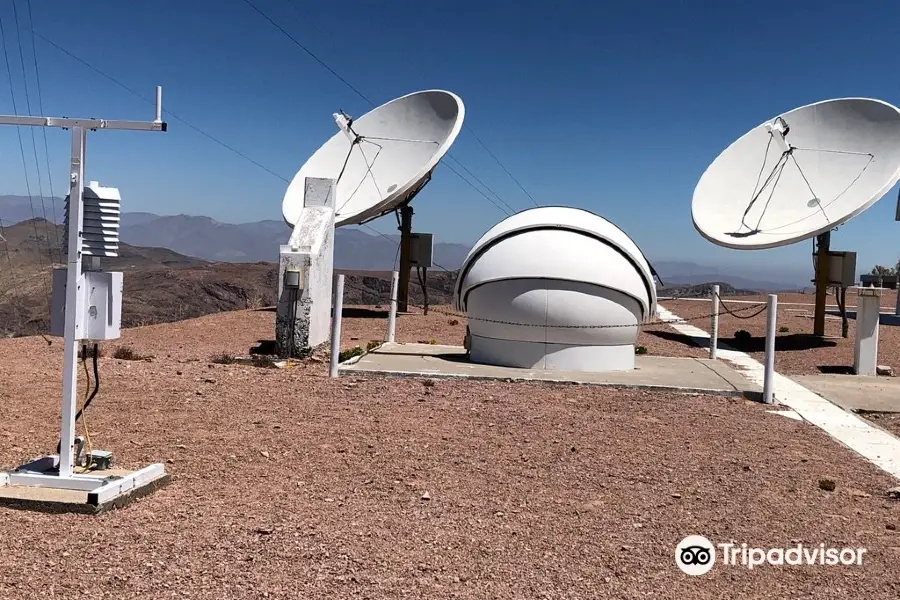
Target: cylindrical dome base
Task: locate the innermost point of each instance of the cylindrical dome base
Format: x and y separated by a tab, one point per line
549	356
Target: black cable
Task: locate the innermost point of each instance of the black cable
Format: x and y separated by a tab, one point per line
96	383
88	383
421	275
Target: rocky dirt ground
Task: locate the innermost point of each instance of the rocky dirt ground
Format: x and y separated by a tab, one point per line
288	484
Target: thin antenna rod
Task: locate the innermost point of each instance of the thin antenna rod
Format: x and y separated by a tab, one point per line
158	118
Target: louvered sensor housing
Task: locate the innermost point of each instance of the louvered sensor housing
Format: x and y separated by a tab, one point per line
100	225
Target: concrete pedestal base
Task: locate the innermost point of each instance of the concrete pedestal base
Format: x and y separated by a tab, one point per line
549	356
865	348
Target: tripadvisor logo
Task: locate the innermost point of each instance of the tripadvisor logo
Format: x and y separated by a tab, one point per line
696	555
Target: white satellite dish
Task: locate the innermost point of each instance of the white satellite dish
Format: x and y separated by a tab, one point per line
800	174
383	158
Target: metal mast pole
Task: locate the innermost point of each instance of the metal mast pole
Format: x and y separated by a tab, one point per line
74	304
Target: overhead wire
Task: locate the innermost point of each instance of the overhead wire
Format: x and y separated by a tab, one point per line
366	98
15	296
502	166
37	164
21	146
168	112
467	127
37	74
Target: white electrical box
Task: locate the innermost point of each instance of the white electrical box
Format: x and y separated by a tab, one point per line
100	295
421	250
842	268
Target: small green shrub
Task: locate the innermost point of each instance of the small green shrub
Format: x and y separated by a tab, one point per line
432	341
346	355
223	359
453	322
827	484
127	353
640	350
783	329
372	345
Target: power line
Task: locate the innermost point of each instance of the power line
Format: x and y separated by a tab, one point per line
308	51
418	68
37	165
483	184
21	146
485	196
170	113
366	98
502	166
37	73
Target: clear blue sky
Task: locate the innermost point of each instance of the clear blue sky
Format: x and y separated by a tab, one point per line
614	108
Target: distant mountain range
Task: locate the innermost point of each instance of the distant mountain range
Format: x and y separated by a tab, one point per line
205	238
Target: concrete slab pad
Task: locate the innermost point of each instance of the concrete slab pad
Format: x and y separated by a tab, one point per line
689	375
56	500
886	317
856	392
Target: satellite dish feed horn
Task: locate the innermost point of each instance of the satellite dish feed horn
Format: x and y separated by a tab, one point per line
799	176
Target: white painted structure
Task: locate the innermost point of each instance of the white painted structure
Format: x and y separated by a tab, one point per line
555	288
800	174
306	267
370	167
865	346
383	158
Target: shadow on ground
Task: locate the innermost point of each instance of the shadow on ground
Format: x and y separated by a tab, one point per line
835	369
363	313
783	343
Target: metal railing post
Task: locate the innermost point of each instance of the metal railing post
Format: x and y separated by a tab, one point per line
338	305
769	372
714	327
392	315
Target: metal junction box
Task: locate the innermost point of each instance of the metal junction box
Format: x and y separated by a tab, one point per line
421	246
100	295
842	268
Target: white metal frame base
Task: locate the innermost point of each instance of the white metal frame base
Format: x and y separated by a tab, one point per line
101	489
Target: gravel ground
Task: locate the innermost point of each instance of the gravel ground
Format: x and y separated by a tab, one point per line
888	421
798	352
292	485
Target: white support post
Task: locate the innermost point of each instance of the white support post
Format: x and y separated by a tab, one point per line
865	346
338	305
392	314
714	327
74	308
769	372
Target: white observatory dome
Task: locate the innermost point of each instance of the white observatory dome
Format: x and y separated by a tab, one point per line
555	288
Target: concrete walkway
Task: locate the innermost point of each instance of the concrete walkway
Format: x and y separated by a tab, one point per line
856	392
687	375
877	446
